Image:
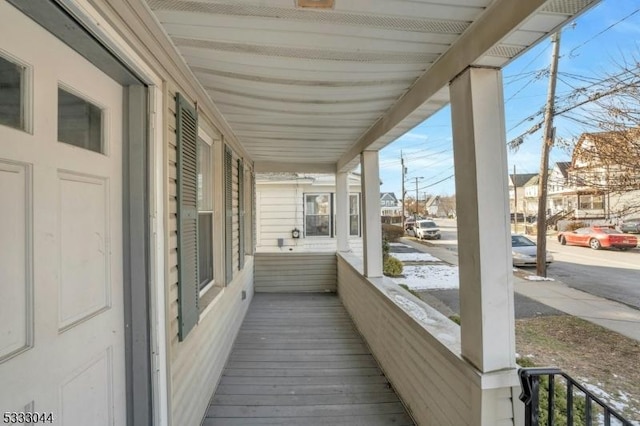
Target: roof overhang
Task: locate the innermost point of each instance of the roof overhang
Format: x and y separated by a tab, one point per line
309	89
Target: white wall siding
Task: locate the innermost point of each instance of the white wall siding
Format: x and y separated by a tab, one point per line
295	272
281	209
419	353
198	361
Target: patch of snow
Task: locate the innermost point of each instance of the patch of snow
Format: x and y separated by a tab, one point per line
537	278
413	309
428	277
399	245
415	257
618	403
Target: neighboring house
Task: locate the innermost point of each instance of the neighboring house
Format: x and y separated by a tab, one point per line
605	187
517	183
435	208
131	132
389	204
561	196
531	189
303	202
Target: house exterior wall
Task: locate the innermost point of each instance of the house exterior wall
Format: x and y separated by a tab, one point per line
280	210
196	362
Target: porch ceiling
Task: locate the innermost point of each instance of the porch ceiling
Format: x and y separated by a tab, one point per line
303	86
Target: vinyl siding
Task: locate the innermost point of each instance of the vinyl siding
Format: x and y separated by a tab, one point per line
437	386
280	209
295	272
196	364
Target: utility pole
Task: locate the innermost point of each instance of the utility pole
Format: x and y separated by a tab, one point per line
416	214
403	173
549	134
515	199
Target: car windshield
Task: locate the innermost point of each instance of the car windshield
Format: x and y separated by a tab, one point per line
520	241
427	224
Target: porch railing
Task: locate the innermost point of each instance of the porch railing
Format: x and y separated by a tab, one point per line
562	402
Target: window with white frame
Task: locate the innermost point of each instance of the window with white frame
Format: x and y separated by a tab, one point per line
591	202
354	215
317	215
205	214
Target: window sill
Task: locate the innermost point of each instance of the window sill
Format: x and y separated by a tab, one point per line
209	300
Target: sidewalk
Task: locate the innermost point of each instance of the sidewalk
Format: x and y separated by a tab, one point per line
606	313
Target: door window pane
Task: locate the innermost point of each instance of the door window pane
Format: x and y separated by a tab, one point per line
11	94
79	122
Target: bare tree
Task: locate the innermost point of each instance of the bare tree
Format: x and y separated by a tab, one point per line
606	156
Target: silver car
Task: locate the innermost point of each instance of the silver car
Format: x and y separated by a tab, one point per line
524	251
426	229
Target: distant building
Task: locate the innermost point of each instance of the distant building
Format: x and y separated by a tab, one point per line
389	204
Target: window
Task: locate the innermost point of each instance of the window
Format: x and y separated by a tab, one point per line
317	215
205	215
320	215
79	122
591	202
354	215
12	94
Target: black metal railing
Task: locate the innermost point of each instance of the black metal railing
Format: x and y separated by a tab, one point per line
552	398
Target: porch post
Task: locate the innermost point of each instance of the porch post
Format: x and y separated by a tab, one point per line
372	226
484	244
342	211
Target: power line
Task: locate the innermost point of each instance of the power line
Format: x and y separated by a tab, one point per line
571	53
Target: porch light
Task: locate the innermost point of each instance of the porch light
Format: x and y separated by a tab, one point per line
316	4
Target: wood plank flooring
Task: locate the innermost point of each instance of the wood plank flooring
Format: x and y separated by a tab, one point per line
298	360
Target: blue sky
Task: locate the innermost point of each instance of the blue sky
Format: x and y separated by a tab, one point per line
588	48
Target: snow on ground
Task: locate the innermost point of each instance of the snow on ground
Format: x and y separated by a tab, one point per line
537	278
429	277
415	257
618	403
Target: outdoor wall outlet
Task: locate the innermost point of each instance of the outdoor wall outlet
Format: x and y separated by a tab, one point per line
244	294
280	242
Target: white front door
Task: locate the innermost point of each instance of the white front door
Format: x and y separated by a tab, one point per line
61	248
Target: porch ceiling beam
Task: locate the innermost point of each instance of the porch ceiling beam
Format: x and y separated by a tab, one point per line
498	21
282	167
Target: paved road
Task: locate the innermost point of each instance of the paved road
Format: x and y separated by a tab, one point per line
611	274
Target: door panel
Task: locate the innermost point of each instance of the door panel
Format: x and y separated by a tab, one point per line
62	336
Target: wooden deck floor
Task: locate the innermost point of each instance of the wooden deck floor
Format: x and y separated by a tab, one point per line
298	360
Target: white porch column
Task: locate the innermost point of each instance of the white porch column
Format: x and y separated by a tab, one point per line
372	225
342	211
484	244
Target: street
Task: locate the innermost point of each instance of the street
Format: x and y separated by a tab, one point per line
611	274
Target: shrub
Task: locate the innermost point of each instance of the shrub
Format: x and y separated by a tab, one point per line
385	248
392	267
391	232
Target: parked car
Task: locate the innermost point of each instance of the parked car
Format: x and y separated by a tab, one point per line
408	227
427	229
597	238
524	251
631	226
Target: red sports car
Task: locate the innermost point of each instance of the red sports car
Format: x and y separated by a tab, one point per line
597	238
